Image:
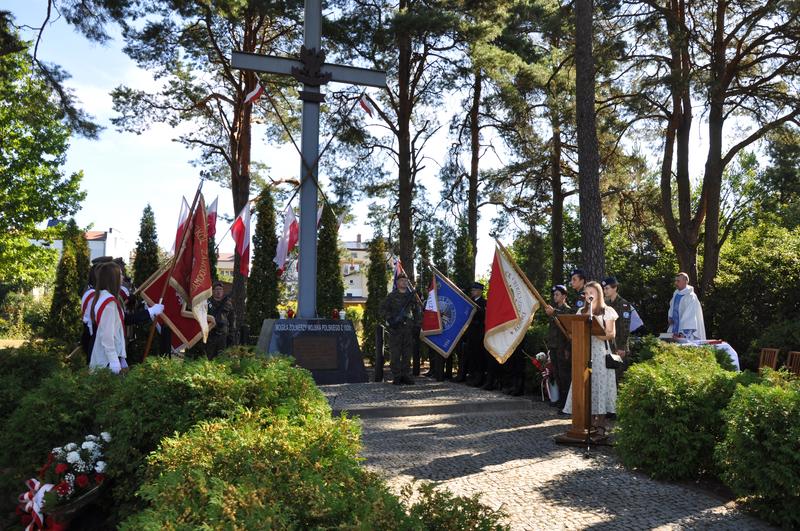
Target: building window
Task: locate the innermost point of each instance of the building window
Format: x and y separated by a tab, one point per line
351	281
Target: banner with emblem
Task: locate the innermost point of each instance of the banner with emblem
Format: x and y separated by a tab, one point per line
510	306
431	316
455	311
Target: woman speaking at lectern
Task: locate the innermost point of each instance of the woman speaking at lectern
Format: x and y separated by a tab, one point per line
604	385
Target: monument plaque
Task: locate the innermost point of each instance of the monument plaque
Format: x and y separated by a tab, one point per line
326	347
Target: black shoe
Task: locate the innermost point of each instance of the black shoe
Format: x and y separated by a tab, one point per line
397	381
519	391
460	378
428	374
555	404
407	380
489	386
476	383
563	413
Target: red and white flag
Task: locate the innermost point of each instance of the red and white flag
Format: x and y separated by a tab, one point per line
509	308
240	230
431	317
183	219
288	240
254	94
191	277
211	213
366	105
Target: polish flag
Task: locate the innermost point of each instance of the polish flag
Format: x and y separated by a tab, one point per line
288	240
183	220
254	94
211	213
431	317
365	104
240	230
510	306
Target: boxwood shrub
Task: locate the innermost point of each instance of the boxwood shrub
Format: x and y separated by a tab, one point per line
759	457
669	412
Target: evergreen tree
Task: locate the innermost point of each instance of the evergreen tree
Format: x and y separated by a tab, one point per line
262	287
76	238
212	258
463	259
377	288
330	286
145	263
424	272
439	252
65	310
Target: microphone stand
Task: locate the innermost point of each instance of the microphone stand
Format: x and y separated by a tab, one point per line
589	319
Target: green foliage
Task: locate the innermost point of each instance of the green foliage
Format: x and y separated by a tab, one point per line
75	237
437	509
22	369
268	472
781	179
423	269
759	457
23	317
65	309
669	412
755	269
146	261
262	287
463	260
784	335
377	288
33	187
532	253
439	252
330	285
62	408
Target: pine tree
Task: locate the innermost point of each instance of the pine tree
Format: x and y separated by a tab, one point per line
463	258
145	263
377	288
262	286
423	270
212	258
76	238
439	252
65	311
330	285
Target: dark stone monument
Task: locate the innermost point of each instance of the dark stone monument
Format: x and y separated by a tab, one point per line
326	347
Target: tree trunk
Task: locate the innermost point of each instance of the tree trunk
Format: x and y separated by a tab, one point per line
591	213
405	188
475	146
557	221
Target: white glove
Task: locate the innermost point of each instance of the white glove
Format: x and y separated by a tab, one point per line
155	310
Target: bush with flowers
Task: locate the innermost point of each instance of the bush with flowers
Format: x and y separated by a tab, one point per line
70	477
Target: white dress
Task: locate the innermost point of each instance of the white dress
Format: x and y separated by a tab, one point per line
604	381
109	338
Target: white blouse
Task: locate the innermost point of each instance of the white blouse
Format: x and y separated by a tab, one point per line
109	338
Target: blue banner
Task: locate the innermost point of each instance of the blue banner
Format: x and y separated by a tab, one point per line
456	310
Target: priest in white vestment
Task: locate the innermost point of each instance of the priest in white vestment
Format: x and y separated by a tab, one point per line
685	312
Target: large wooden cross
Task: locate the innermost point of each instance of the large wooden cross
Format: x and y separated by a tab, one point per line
313	72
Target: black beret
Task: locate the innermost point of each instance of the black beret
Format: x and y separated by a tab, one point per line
476	285
609	281
560	287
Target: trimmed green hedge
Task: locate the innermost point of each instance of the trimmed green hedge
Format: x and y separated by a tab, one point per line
240	442
669	412
759	458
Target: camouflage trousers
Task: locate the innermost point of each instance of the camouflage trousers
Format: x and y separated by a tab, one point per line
401	347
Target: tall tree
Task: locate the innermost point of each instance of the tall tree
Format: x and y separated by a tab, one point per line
439	251
33	185
64	322
330	285
146	262
201	87
739	59
591	214
424	273
463	259
377	289
408	39
263	288
75	237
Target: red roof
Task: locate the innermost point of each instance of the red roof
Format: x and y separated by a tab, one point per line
96	235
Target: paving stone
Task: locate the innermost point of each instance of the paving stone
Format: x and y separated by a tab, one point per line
509	458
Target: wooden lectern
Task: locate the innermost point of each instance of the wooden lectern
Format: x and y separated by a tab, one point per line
581	330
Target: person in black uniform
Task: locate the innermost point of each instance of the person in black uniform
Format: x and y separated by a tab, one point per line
577	279
558	344
221	308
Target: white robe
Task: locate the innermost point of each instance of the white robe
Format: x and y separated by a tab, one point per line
109	338
690	313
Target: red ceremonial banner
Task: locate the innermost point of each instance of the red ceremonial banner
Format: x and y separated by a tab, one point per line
500	307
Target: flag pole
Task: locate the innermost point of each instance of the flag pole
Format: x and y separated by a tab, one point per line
175	261
530	286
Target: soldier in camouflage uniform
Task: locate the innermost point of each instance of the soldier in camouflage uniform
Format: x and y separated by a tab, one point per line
559	344
402	312
620	343
221	308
